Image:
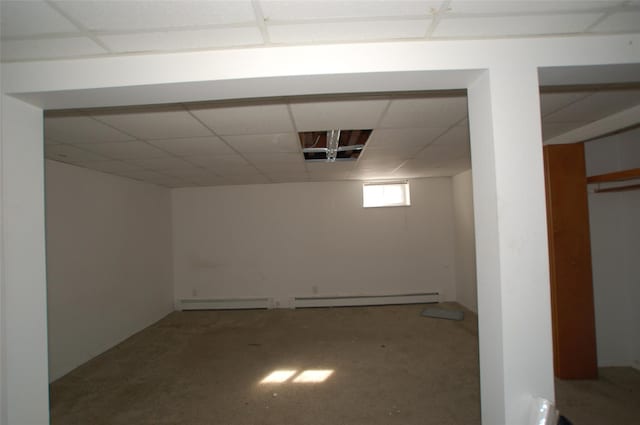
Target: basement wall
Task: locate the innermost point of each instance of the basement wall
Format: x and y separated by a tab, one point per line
465	241
108	261
311	240
615	250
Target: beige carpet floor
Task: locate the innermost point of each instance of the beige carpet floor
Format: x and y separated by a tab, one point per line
388	365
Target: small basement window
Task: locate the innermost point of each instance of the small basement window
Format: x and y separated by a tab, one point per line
386	194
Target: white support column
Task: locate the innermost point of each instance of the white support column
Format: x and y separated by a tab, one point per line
25	390
514	309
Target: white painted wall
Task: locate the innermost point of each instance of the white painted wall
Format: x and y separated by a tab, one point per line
108	261
311	239
615	250
25	393
465	241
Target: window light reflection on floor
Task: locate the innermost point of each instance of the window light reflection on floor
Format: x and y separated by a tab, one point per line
313	375
280	376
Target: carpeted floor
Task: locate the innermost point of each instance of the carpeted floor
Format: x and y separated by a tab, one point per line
388	365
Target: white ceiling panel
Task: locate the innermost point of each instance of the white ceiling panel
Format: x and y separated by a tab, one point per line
241	180
218	161
160	164
296	10
288	178
126	150
551	102
404	141
156	124
347	31
194	146
49	48
596	106
264	143
112	167
503	7
119	15
236	171
192	174
71	154
455	136
79	130
627	21
279	162
318	168
553	129
28	18
425	112
345	115
247	119
480	27
183	40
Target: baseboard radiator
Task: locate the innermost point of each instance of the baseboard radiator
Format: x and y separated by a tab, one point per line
356	300
302	302
224	304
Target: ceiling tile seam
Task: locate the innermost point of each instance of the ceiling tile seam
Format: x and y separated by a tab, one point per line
78	25
619	8
260	22
435	139
186	108
295	128
101	33
580	99
346	20
437	17
537	13
376	127
145	141
80	147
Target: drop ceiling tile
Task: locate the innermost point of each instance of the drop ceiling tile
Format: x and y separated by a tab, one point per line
473	27
309	10
278	162
241	180
151	177
113	167
379	164
596	106
194	146
425	112
28	18
243	119
371	174
265	143
159	164
210	181
193	174
380	155
126	150
455	136
235	171
71	154
374	30
404	141
437	154
345	114
334	176
140	15
551	102
218	161
330	167
627	21
288	177
523	7
49	48
80	130
156	124
550	130
183	40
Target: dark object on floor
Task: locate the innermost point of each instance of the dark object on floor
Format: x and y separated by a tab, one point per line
441	313
564	421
